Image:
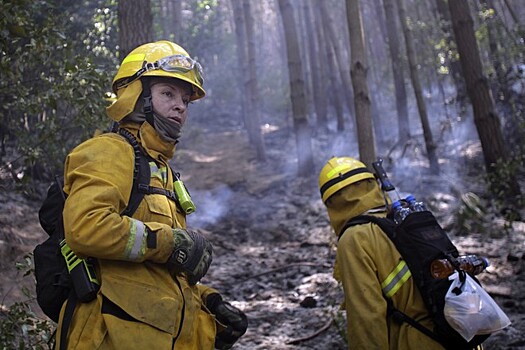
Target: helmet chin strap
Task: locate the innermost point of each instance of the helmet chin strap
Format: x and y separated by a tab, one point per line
148	105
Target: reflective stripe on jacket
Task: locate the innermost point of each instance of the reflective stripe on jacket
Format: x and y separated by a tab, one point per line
141	304
369	266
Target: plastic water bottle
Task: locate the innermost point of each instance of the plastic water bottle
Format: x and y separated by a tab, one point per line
400	212
473	264
415	205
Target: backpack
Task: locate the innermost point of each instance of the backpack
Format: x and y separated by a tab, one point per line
420	240
53	280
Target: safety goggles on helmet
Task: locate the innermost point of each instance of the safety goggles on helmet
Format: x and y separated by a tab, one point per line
174	63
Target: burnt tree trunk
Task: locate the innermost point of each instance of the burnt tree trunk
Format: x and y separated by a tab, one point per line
485	116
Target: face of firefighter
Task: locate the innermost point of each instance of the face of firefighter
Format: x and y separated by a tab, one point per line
170	99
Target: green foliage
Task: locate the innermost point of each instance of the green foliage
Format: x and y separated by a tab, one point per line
20	328
339	318
505	188
470	215
51	92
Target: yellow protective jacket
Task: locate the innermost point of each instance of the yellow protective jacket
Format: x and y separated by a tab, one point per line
140	305
365	259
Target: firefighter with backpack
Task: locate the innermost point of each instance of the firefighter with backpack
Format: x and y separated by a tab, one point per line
147	264
374	275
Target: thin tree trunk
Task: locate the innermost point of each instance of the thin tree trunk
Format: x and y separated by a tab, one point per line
485	116
344	69
251	87
403	128
172	20
358	71
322	84
453	64
331	69
176	22
302	129
242	53
414	75
336	84
313	49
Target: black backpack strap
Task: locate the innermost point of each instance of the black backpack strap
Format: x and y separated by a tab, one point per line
401	317
71	303
141	179
387	225
141	174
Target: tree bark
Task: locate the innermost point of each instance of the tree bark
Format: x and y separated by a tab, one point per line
318	82
414	75
135	24
358	72
485	116
321	83
331	71
342	62
297	95
242	53
251	87
453	64
172	20
306	48
398	73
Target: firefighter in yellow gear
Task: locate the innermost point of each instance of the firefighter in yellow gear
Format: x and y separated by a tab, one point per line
149	264
367	263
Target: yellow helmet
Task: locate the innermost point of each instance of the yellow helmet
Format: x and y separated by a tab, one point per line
340	172
160	59
157	59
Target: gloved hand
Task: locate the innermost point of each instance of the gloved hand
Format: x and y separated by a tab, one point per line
192	254
234	319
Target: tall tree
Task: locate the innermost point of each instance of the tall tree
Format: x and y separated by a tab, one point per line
306	48
485	116
297	94
340	52
358	71
414	75
172	16
251	89
242	54
397	71
321	83
452	62
135	24
519	25
340	73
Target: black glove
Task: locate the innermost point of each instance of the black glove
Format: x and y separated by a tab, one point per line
234	319
192	254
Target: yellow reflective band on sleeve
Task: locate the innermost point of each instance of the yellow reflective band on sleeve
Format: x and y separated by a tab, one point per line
136	246
138	57
161	174
396	279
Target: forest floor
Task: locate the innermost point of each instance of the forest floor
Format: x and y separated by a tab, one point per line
273	246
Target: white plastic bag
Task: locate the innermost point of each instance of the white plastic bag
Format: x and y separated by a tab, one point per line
473	311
